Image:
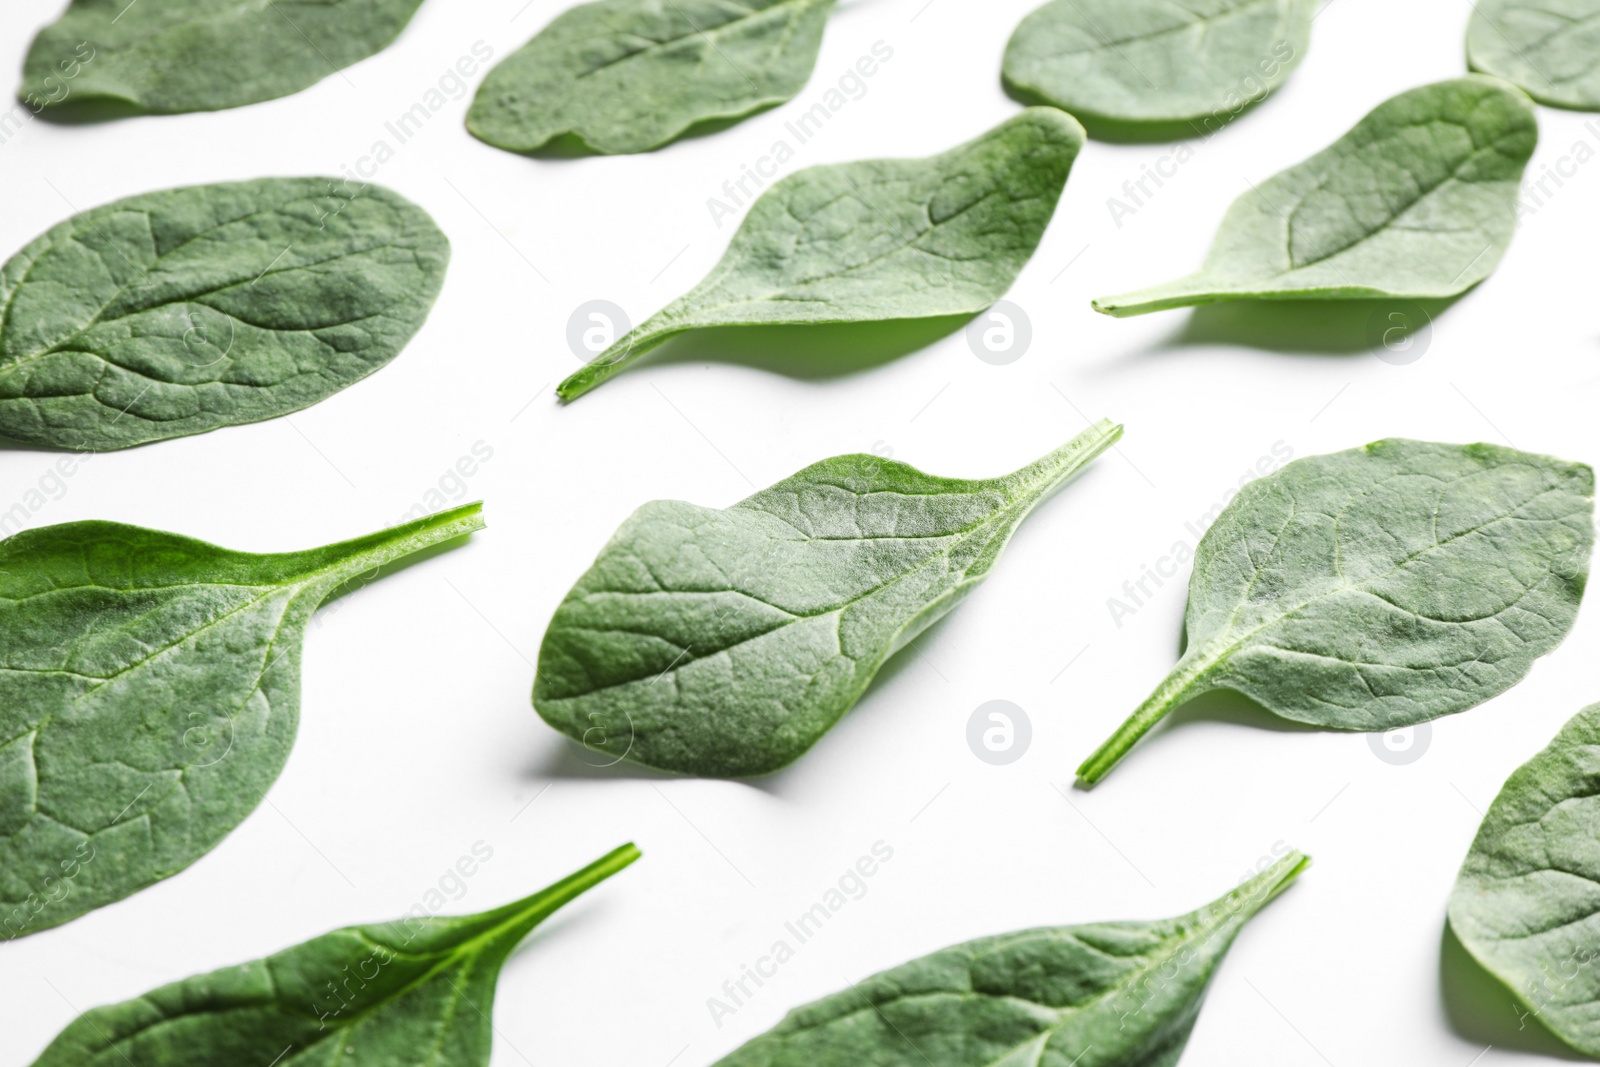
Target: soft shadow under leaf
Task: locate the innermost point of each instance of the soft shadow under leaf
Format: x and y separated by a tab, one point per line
1328	327
1482	1010
810	352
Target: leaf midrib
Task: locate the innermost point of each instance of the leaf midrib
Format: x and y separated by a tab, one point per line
1215	659
1323	256
1205	928
66	344
1102	42
958	537
751	15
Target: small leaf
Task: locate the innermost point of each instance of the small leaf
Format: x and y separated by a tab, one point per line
1527	901
876	241
177	312
1152	63
631	75
195	55
726	643
1549	49
1418	200
1119	994
149	695
419	990
1380	587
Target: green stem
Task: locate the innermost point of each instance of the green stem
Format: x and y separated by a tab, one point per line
627	348
518	918
1184	683
1185	292
347	559
1047	472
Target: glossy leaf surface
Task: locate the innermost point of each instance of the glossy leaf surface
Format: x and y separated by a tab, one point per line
149	696
416	992
726	643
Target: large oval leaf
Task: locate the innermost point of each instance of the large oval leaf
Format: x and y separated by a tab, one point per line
631	75
1380	587
728	642
177	312
149	695
1117	994
170	56
416	991
1550	48
877	241
1139	64
1527	901
1418	200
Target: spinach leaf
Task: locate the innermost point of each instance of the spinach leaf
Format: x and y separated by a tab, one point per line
726	643
631	75
876	241
1380	587
149	694
1551	49
1418	200
196	55
177	312
413	991
1118	994
1525	904
1151	64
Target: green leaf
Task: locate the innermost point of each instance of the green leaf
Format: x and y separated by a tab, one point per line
193	55
1550	49
419	990
877	241
1137	64
726	643
177	312
631	75
1380	587
1418	200
1120	994
149	695
1527	902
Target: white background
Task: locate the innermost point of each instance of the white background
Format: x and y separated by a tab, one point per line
417	738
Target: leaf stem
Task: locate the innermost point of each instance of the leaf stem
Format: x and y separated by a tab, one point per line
346	559
1047	472
1255	893
1184	292
627	348
1185	682
523	915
